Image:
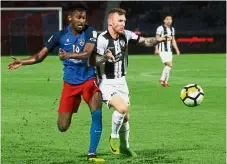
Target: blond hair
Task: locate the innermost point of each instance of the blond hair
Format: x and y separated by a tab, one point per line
117	10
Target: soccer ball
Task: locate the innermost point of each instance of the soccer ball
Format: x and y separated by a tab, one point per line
192	95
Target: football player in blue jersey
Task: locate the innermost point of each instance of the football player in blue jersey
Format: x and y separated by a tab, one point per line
76	43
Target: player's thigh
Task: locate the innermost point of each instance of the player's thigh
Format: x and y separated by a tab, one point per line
69	104
64	120
117	87
169	60
92	95
121	99
119	104
162	57
107	90
165	57
96	101
123	91
70	98
112	96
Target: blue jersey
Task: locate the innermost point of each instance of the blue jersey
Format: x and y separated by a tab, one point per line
75	71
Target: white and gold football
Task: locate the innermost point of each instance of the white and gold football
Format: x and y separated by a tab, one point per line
192	95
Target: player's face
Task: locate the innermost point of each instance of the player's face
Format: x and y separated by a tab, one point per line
118	23
78	20
168	20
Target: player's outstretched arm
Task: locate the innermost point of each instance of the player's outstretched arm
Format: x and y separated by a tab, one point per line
37	58
152	41
40	56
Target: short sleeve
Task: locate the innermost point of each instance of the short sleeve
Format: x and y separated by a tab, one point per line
91	35
101	45
131	36
53	41
159	30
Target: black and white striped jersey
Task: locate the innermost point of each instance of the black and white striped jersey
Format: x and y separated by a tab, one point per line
165	46
118	47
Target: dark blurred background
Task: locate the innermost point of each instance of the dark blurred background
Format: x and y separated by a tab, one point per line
200	26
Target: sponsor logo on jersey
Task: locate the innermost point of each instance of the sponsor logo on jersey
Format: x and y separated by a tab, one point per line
67	42
122	43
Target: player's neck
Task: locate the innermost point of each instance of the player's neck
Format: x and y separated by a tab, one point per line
166	25
113	34
74	32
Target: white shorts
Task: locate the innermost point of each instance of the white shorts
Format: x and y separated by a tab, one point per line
113	87
166	56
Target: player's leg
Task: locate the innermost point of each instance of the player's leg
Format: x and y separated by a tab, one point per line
124	133
95	105
166	58
125	128
168	66
124	138
123	93
69	104
64	121
112	99
163	75
92	97
120	110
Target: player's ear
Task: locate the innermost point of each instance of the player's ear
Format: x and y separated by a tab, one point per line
69	18
109	21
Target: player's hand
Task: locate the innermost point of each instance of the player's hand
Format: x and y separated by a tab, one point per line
110	56
168	38
178	52
165	38
15	64
64	55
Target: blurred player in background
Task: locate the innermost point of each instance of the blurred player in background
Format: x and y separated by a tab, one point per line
112	74
76	43
164	49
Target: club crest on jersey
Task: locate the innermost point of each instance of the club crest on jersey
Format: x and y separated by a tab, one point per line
81	42
122	43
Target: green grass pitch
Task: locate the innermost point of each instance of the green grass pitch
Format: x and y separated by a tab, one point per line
163	129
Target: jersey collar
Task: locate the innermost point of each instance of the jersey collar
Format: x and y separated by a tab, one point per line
112	37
